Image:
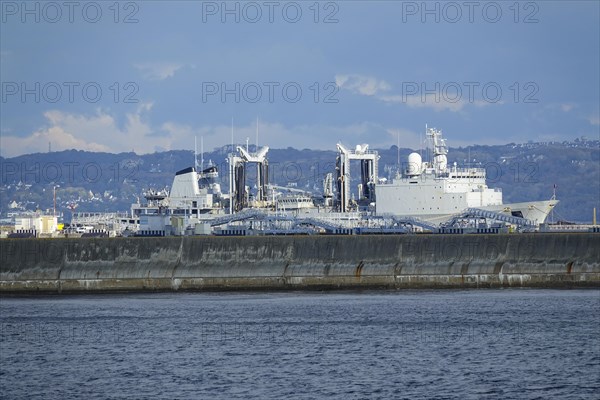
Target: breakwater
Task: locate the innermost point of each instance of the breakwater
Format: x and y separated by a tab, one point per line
299	262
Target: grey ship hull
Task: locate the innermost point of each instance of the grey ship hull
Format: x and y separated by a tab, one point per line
536	211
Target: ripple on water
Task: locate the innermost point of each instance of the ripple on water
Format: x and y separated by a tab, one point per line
407	344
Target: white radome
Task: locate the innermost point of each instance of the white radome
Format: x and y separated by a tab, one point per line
414	164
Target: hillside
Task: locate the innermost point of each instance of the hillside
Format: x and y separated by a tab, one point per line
111	182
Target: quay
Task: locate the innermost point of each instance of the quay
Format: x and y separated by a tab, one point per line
312	262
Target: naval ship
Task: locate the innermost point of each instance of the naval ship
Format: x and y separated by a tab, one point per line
434	191
430	193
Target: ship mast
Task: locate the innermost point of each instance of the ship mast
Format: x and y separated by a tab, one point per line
196	152
439	149
201	153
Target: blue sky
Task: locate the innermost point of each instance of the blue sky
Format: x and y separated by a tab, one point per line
488	73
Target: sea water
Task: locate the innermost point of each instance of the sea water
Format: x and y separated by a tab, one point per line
505	344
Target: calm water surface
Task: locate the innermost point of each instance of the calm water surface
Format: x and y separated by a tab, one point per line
505	344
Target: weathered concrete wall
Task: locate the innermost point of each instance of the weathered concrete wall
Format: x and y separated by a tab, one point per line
304	262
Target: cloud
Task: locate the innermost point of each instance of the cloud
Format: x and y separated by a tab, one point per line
158	71
435	102
566	107
364	85
277	135
440	101
101	132
405	138
594	120
38	142
98	132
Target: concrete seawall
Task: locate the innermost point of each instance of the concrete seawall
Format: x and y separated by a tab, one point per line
301	262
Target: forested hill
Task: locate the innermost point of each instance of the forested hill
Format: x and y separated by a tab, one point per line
111	182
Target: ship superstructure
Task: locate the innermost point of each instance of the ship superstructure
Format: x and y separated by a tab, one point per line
194	197
434	191
368	174
425	195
